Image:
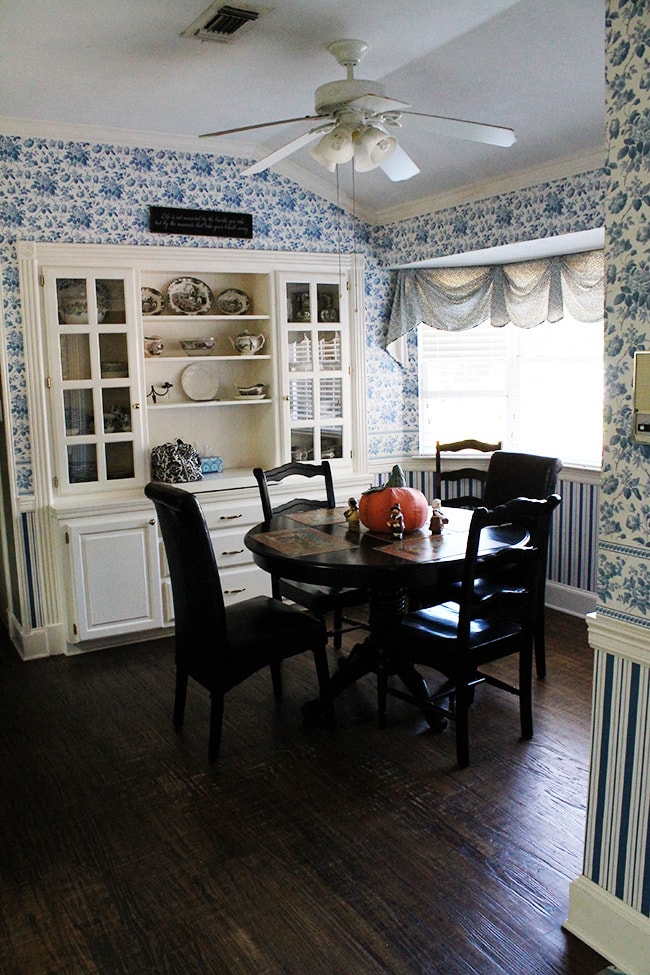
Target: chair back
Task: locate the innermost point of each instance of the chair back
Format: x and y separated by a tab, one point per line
473	474
519	561
278	474
513	475
199	611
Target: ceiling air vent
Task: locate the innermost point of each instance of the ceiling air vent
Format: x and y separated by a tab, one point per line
221	22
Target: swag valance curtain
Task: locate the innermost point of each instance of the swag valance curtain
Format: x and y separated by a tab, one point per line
526	294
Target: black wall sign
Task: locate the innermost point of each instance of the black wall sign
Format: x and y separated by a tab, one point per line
200	223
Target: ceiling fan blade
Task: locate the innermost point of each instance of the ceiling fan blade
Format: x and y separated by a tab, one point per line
286	150
376	104
261	125
457	128
399	166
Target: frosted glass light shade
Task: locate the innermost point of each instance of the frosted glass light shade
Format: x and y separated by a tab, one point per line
334	148
372	148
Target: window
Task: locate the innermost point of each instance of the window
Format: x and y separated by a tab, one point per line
538	390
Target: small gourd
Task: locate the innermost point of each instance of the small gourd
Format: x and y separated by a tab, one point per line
375	505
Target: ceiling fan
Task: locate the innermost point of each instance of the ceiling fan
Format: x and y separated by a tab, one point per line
355	115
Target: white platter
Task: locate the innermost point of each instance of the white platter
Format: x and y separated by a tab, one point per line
199	382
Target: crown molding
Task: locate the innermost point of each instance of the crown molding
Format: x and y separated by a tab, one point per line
557	169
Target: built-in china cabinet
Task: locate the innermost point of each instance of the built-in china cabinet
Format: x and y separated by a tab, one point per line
254	357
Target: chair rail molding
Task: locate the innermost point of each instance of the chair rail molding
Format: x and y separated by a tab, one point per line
620	638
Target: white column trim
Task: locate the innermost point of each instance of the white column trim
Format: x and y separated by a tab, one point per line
609	926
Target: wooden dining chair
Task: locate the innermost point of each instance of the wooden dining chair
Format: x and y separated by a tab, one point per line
474	478
473	475
518	475
458	638
321	600
219	646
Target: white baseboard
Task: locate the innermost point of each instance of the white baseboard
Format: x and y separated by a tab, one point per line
566	599
38	643
609	926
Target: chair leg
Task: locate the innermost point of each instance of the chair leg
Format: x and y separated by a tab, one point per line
276	678
540	644
539	627
337	623
382	695
216	723
323	675
526	691
180	697
463	694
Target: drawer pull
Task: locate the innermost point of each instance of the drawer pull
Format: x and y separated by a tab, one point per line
233	592
236	551
229	517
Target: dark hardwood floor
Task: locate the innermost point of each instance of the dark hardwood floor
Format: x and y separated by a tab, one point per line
123	852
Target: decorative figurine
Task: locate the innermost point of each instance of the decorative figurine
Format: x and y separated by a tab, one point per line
396	521
437	517
352	514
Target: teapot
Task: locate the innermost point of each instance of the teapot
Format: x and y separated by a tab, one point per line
247	343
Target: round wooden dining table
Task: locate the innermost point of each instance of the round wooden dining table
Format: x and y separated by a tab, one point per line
316	546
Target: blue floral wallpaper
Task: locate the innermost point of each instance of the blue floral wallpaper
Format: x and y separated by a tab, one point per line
81	192
624	569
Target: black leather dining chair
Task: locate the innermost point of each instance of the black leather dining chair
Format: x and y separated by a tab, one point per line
458	638
476	475
517	475
219	646
321	600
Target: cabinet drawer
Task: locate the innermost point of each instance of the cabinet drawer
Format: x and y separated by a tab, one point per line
228	545
237	584
244	582
231	514
229	548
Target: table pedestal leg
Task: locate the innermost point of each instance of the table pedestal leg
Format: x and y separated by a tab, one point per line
379	654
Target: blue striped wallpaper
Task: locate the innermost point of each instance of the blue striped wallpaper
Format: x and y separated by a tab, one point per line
617	845
574	537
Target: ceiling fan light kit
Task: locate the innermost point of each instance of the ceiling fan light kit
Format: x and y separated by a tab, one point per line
353	114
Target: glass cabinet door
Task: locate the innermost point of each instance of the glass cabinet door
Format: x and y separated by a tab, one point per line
316	340
93	379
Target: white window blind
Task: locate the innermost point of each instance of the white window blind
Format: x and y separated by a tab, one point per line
538	390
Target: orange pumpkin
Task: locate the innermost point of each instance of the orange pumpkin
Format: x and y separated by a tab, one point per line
375	505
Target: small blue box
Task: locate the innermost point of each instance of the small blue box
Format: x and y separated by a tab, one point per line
211	465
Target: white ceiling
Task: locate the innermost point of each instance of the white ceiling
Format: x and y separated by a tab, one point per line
78	66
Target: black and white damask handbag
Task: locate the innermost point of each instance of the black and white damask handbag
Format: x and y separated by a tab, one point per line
175	463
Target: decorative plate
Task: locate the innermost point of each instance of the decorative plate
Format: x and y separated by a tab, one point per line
199	382
233	302
189	296
152	301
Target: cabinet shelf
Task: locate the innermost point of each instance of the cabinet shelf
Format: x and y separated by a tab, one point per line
203	358
208	402
203	318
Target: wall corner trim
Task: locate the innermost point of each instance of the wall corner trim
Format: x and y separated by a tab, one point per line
609	926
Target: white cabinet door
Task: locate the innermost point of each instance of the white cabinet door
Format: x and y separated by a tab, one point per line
115	576
93	380
314	324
